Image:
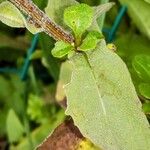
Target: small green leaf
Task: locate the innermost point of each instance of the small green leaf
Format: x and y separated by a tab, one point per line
55	10
61	49
144	89
10	15
14	127
78	18
141	64
90	41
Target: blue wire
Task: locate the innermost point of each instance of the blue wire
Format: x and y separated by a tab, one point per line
116	24
9	70
24	70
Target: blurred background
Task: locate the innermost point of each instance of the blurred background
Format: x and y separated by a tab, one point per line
29	80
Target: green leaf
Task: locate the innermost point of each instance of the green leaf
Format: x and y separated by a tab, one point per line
78	18
141	65
61	49
131	45
15	129
139	13
10	15
55	9
90	41
144	89
103	102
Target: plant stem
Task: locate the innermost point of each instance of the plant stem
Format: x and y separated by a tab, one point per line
41	19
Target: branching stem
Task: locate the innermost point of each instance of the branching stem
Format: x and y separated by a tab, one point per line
42	20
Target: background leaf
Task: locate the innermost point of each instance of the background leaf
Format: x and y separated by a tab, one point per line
139	12
14	127
141	64
144	89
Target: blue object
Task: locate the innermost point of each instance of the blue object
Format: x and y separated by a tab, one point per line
9	70
112	32
24	70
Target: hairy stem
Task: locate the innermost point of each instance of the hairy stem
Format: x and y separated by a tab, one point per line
41	19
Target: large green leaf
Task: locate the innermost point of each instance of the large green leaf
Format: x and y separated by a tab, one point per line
103	103
139	12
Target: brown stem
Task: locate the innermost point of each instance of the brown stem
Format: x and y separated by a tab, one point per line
42	20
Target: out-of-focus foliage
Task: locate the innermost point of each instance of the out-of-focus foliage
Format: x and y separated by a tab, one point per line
139	12
32	103
14	128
